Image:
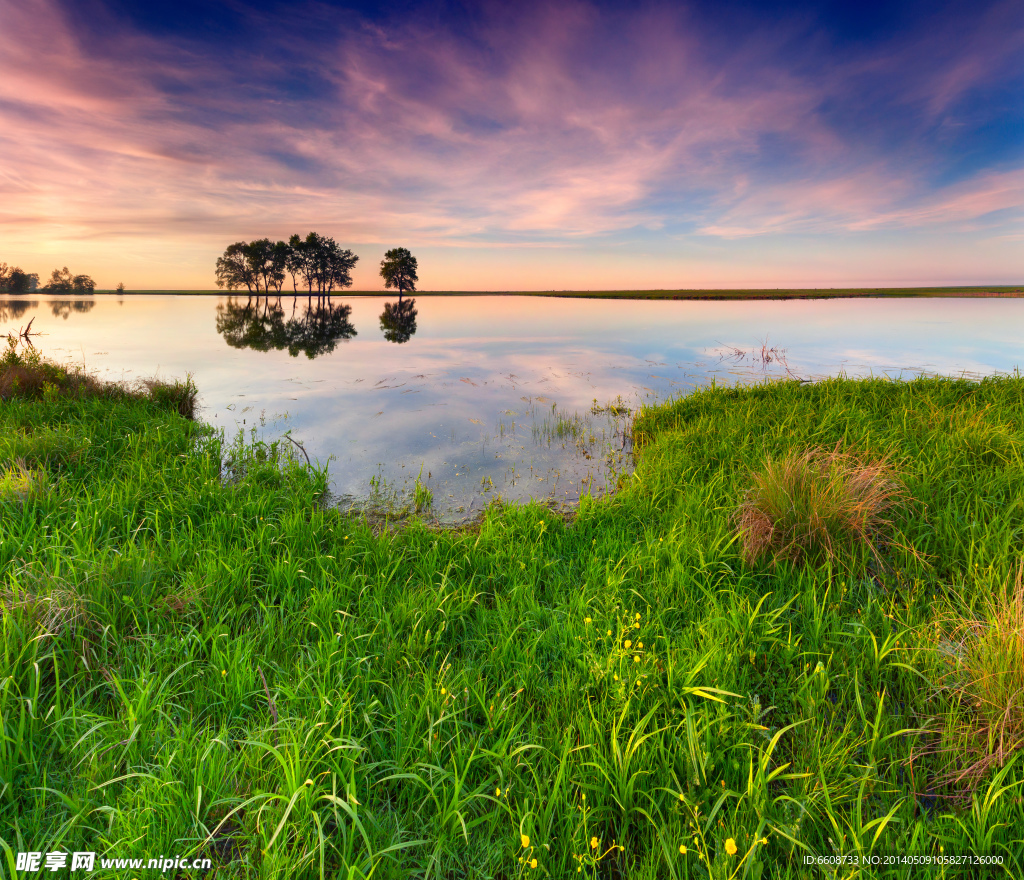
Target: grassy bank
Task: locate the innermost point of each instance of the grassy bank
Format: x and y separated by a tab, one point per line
200	660
764	293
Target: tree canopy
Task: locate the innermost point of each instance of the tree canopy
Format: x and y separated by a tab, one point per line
261	266
15	280
62	280
398	269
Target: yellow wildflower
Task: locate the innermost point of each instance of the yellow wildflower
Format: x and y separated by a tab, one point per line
682	849
524	839
594	843
497	792
730	846
629	644
533	863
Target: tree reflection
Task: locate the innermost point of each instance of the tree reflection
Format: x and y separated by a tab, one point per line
261	326
320	329
255	325
12	309
62	308
398	321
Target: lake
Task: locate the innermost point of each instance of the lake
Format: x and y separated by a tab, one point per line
484	396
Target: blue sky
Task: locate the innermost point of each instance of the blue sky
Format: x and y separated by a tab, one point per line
582	145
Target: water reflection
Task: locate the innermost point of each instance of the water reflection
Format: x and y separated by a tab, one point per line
498	395
12	309
62	308
398	320
261	325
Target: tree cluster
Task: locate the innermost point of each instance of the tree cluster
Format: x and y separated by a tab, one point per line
13	279
262	266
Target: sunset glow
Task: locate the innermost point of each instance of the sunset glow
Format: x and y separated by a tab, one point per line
570	145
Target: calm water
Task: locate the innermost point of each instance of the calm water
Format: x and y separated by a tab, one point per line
481	396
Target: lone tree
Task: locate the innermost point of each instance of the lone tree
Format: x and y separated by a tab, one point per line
398	269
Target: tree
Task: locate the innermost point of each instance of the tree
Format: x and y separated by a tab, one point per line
120	287
279	263
83	284
61	279
23	282
295	262
14	280
234	271
398	269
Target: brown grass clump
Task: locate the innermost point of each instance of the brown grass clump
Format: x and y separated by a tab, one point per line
985	675
51	605
818	504
27	375
20	483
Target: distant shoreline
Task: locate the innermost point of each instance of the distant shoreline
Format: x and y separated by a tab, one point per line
989	291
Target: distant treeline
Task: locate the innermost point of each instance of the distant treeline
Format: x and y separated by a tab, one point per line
13	279
261	266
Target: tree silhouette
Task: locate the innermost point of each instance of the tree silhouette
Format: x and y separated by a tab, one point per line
234	270
262	265
398	321
61	280
398	269
14	280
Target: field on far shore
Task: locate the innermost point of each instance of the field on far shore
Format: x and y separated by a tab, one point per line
764	293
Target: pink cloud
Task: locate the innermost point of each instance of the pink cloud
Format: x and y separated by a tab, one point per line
548	130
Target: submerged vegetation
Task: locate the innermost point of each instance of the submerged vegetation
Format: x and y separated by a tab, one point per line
199	658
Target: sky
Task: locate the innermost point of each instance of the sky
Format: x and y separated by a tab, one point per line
567	144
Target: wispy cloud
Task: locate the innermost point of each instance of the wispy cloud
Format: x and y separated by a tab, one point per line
563	127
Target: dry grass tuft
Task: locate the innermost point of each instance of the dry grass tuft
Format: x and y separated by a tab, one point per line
27	375
51	605
985	661
20	483
818	504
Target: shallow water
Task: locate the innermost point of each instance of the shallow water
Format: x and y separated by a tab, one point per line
485	395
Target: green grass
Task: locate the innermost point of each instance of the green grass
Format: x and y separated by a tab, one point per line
198	659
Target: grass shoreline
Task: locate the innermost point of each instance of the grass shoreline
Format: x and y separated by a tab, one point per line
199	659
981	291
